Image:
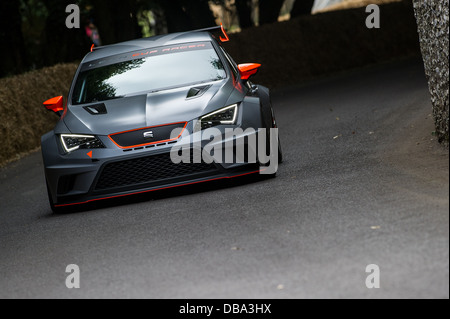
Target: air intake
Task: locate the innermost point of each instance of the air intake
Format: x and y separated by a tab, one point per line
197	91
97	109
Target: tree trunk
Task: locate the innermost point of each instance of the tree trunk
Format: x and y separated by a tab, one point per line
199	13
12	55
61	44
126	24
244	11
116	20
269	11
302	7
185	15
160	26
176	17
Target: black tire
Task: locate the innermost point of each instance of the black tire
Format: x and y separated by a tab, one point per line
280	152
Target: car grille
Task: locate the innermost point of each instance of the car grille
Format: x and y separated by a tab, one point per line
146	136
147	170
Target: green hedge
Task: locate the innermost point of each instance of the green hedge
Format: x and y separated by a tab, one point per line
23	117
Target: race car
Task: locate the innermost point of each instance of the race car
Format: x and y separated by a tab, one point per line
141	114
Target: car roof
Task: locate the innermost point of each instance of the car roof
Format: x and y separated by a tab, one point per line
147	43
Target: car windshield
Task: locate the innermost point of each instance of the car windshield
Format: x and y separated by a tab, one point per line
147	71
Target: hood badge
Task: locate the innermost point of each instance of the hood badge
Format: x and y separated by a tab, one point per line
148	135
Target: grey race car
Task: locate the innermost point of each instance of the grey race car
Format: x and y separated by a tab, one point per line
132	103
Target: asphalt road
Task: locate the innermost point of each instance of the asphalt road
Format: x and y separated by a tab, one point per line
364	182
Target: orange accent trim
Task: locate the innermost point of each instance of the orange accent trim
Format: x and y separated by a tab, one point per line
55	104
92	47
145	128
226	39
248	69
158	189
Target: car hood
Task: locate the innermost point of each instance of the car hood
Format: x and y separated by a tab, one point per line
146	110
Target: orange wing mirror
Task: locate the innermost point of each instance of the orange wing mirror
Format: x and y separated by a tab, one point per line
248	69
55	105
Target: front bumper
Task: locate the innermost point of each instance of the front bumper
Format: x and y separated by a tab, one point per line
79	177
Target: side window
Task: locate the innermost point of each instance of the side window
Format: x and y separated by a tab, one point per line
231	62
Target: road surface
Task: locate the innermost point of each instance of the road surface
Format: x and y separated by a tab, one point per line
363	182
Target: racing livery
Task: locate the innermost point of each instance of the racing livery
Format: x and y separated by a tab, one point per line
131	103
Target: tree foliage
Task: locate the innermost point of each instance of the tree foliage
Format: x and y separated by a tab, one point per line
302	7
35	34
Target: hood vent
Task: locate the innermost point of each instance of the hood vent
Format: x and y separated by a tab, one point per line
197	91
97	109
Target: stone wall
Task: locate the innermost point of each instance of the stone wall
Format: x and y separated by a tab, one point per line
433	26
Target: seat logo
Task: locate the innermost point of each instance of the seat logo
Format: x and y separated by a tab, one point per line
148	135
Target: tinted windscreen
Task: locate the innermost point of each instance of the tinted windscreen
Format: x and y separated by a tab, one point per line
146	71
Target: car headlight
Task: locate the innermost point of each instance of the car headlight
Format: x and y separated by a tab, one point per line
73	142
226	115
